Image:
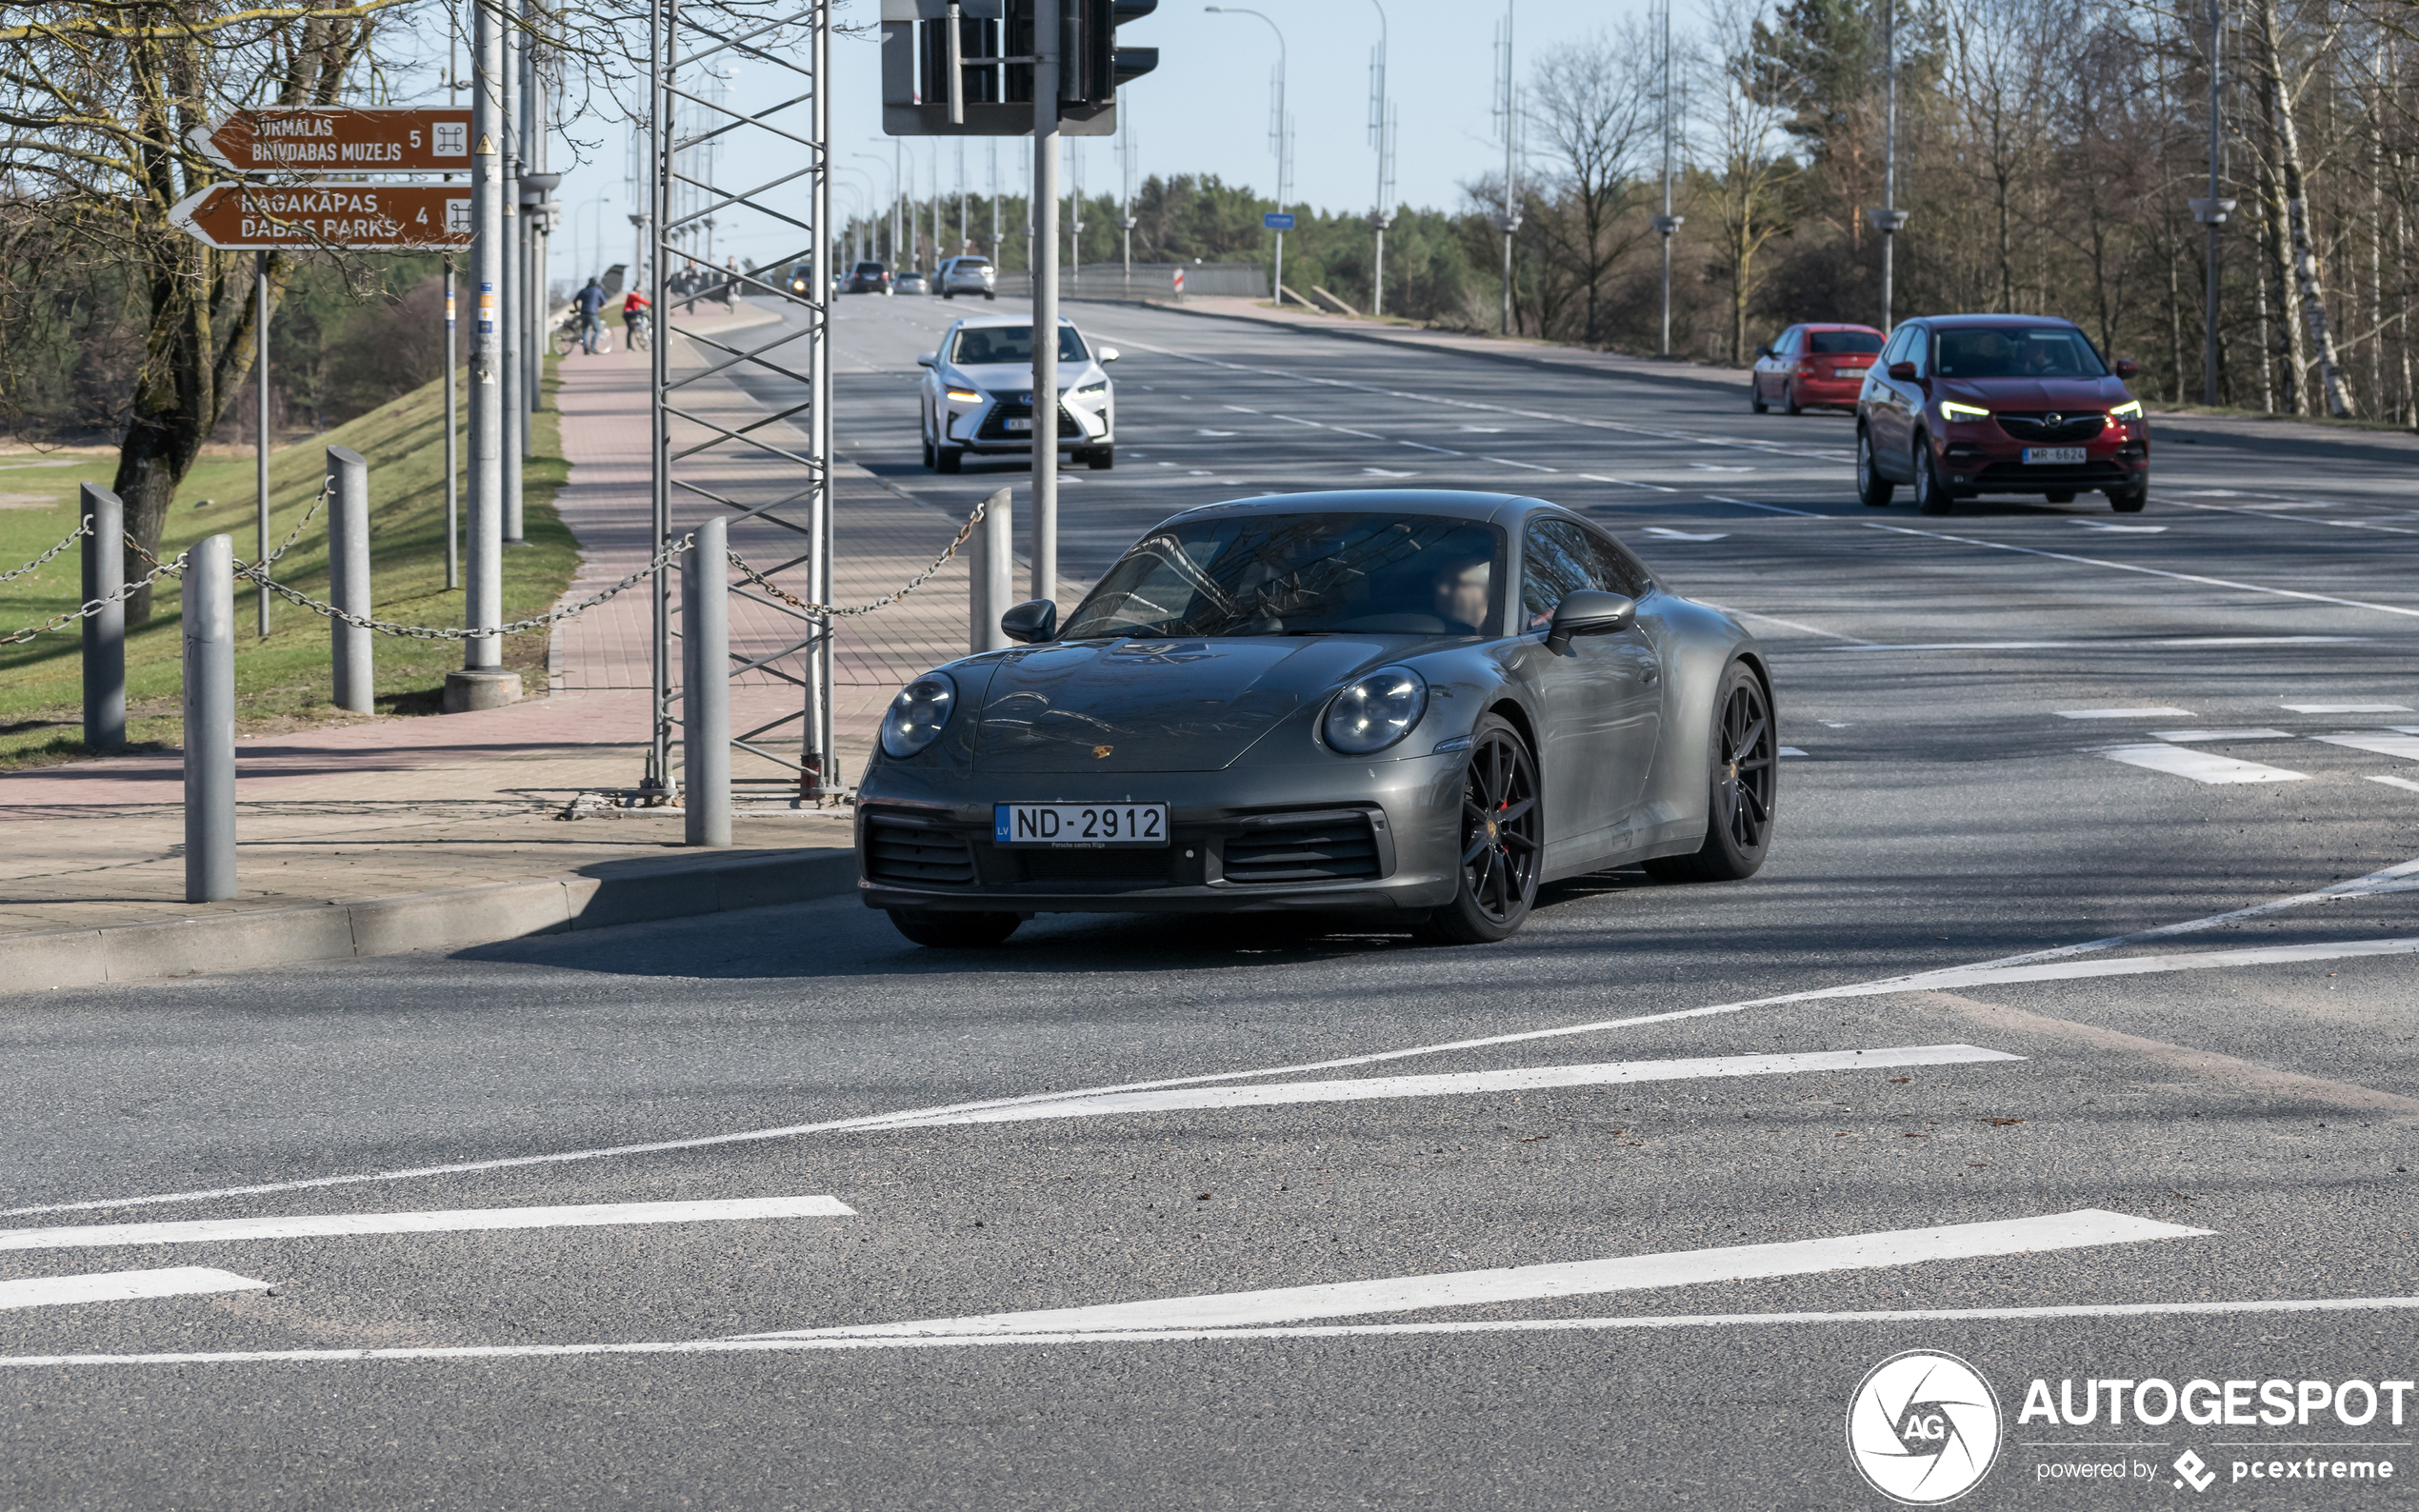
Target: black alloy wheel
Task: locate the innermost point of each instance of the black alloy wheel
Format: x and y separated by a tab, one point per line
1931	495
1744	789
1872	489
1503	840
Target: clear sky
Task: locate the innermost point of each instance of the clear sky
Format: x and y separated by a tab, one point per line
1207	109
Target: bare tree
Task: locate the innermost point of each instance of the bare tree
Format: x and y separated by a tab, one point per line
1745	173
1593	118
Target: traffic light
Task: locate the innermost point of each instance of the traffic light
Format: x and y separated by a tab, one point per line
947	67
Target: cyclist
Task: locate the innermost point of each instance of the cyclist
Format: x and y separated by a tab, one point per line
634	307
591	303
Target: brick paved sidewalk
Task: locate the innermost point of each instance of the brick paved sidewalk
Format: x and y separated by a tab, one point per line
395	805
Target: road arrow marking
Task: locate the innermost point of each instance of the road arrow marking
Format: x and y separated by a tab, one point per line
2084	1229
123	1286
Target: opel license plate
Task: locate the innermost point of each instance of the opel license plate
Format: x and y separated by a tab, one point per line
1021	422
2054	456
1080	827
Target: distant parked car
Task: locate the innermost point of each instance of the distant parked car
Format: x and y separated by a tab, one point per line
911	281
1808	366
967	275
1962	405
868	277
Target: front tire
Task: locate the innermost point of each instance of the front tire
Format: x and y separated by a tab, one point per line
948	458
1872	489
1503	842
937	930
1744	785
2129	501
1931	495
1788	401
930	460
1101	459
1755	396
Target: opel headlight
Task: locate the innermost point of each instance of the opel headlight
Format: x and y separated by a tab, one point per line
2131	409
1376	711
1952	410
917	715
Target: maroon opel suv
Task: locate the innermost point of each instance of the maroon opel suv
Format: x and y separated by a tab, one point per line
1962	405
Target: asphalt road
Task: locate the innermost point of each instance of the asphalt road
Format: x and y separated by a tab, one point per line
2102	1163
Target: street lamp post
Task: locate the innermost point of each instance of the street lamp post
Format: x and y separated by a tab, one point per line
1667	223
1381	137
1510	220
1279	132
894	201
1890	220
2212	212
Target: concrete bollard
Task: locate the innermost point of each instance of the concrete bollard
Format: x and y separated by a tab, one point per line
991	574
705	687
104	632
348	576
209	720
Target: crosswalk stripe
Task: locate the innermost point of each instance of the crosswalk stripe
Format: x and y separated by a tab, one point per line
214	1230
2384	742
2083	1228
1520	1079
2200	765
123	1286
2206	736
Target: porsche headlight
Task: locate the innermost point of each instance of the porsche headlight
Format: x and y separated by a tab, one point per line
1376	711
917	715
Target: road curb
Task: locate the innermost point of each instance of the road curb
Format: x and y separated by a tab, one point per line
1562	365
448	920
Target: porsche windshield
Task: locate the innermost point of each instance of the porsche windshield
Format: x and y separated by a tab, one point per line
1300	574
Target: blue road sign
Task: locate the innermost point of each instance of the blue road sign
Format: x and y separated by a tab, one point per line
1277	221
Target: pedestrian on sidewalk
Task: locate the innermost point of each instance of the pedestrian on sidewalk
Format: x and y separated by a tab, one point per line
591	303
731	283
634	307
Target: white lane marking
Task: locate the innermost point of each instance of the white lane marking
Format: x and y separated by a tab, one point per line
2123	713
1347	430
1624	482
2200	765
2084	1229
2189	735
2105	644
2129	529
2270	513
2400	877
1425	446
2348	709
1484	430
218	1230
2384	742
1668	534
1750	504
1217	432
1293	421
1520	1079
1507	462
1791	750
1793	625
1381	472
123	1286
1513	1326
2404	783
1715	467
2157	573
2070	970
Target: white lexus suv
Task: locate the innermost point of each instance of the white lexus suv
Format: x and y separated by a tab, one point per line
978	394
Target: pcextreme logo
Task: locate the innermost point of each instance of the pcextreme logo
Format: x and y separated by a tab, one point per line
1923	1429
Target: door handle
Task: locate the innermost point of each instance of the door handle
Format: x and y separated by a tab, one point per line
1649	675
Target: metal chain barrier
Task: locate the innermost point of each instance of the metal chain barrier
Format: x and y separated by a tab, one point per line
92	607
82	530
964	534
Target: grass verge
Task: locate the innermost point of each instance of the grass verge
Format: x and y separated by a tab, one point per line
282	682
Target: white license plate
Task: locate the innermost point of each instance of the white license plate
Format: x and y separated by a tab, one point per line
1022	423
2054	456
1080	827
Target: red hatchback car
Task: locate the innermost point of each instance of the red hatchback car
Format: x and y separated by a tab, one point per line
1962	405
1813	365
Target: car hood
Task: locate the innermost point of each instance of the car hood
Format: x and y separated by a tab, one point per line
1017	378
2078	396
1156	706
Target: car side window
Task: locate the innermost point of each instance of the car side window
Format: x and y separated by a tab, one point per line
1919	350
1555	562
1787	345
1617	570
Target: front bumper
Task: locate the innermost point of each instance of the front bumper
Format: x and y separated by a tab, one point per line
983	426
1979	457
1358	836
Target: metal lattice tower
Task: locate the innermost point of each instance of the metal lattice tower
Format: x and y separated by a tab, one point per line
741	423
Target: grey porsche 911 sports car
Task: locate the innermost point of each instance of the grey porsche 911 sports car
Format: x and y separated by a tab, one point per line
1417	705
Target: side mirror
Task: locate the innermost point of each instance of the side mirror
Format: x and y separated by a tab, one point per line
1903	371
1109	354
2127	367
1588	611
927	359
1033	619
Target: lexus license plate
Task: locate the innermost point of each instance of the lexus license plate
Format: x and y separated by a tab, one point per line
1080	827
2054	456
1021	422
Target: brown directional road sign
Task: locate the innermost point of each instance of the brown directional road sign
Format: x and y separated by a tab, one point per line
357	217
339	139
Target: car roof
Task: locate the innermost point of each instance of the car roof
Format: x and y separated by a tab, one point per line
1452	503
2003	322
1835	325
988	322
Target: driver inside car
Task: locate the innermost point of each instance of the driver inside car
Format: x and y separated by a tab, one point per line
1459	592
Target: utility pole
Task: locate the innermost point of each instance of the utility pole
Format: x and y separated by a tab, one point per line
2212	212
1510	220
1047	40
1890	219
483	681
1381	137
1667	223
1126	183
510	85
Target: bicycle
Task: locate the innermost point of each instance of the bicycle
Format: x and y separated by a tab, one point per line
566	336
641	337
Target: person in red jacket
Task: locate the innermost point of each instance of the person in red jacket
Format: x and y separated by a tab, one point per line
634	307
